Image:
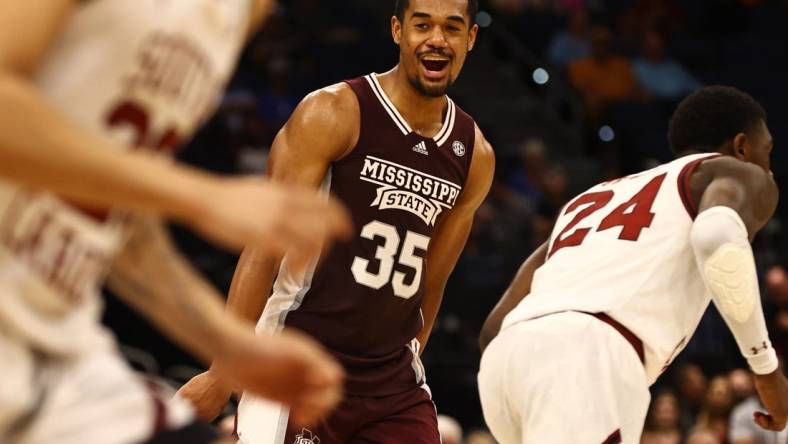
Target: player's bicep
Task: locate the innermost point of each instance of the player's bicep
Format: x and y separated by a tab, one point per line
322	129
27	30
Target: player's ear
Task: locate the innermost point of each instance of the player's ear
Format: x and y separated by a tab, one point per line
472	37
396	29
741	147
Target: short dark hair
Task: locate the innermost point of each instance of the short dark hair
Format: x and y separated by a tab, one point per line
708	118
400	6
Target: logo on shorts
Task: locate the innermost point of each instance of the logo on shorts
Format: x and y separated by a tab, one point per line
306	437
459	148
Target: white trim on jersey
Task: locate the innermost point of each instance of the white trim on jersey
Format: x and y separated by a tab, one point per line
387	105
289	290
448	122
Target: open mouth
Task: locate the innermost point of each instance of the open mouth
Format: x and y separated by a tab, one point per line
435	65
435	68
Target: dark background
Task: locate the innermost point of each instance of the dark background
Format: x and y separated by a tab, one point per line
546	138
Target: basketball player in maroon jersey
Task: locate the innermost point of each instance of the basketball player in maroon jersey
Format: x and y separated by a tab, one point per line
413	168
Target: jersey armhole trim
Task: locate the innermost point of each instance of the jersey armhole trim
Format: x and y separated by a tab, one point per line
684	185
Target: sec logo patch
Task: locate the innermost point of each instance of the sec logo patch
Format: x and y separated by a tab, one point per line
458	148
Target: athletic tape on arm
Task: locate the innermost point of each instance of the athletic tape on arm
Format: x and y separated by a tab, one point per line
724	256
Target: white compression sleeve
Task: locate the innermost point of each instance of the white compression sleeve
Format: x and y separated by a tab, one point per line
724	257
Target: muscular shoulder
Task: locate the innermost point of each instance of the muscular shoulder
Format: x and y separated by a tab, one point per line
728	181
339	98
330	115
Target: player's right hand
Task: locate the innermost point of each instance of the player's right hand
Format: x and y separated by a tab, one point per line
773	391
252	211
289	368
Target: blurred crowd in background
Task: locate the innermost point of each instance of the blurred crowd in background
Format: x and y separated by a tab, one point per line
569	92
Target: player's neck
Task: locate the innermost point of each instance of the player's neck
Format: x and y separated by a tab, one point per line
420	111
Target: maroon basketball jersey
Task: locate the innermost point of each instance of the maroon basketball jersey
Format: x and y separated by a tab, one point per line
363	301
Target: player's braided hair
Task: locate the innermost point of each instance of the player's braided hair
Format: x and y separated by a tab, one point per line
400	6
711	116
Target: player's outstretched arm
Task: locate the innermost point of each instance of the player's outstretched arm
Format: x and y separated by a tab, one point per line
41	149
518	289
452	232
151	276
300	156
737	200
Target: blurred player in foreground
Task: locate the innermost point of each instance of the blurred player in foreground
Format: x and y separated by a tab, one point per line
630	268
80	84
413	168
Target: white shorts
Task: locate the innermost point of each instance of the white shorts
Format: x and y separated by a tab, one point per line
92	397
563	378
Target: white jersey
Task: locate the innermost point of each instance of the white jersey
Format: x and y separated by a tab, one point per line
141	73
623	248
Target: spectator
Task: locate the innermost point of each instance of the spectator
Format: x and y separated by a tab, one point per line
629	31
450	430
692	386
552	199
573	43
715	414
662	423
659	76
604	78
528	179
742	384
700	435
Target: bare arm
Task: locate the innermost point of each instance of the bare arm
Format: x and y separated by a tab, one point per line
452	233
151	276
41	149
518	289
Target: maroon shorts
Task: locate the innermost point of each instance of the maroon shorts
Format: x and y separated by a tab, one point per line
403	418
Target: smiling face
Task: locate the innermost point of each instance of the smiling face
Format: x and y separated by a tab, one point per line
434	37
